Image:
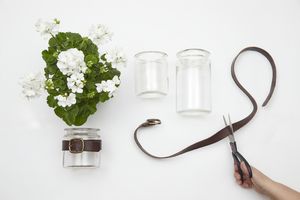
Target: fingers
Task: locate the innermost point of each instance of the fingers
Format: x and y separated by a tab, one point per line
237	177
244	168
246	183
235	167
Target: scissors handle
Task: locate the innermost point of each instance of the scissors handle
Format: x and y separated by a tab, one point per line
242	159
238	159
238	164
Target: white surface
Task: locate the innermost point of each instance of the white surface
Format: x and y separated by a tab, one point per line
31	166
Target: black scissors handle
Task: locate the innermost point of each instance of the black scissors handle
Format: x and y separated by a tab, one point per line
238	164
238	158
242	159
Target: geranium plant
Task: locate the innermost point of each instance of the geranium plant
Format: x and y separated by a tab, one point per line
76	75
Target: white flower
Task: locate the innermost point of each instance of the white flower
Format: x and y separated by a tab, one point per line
65	101
83	67
77	88
61	100
100	86
100	34
47	28
108	86
75	82
32	85
116	80
116	57
71	61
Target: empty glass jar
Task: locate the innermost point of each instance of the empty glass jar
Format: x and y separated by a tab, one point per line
193	82
151	74
81	148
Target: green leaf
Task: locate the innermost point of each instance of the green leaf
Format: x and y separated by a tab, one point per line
51	101
53	43
103	96
52	92
70	115
67	114
75	38
51	69
91	60
67	44
59	111
90	86
59	83
103	57
48	57
82	116
61	37
83	45
92	108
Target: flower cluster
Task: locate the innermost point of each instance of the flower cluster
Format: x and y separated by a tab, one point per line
116	57
71	62
75	82
77	75
100	34
108	86
32	85
47	29
64	101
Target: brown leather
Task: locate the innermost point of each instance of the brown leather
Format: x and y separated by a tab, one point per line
221	134
78	145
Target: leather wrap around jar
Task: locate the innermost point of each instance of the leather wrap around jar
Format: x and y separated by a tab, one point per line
81	147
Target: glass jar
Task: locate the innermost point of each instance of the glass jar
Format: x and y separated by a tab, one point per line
151	74
81	147
193	82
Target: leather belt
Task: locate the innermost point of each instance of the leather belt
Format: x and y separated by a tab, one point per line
78	145
221	134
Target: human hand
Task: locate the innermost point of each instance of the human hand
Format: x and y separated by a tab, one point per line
259	181
247	182
264	185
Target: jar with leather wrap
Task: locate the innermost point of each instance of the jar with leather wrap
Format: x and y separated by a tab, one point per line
81	148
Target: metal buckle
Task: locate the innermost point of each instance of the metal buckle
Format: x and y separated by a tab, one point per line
153	121
73	141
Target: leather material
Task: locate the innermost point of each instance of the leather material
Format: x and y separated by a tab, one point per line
221	134
77	145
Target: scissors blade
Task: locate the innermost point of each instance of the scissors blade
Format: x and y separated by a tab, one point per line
230	124
225	122
230	136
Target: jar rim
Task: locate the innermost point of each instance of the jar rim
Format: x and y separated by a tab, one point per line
82	129
193	52
156	55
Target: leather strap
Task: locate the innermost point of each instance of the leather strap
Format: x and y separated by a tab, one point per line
78	145
221	134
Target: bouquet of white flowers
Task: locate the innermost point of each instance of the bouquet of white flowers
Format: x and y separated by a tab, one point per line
77	76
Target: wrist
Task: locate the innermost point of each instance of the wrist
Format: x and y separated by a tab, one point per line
261	182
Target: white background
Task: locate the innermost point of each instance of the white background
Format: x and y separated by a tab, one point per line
30	142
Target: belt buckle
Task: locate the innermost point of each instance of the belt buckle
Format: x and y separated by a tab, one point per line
72	142
153	121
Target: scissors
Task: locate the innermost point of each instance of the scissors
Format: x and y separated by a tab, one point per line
237	157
